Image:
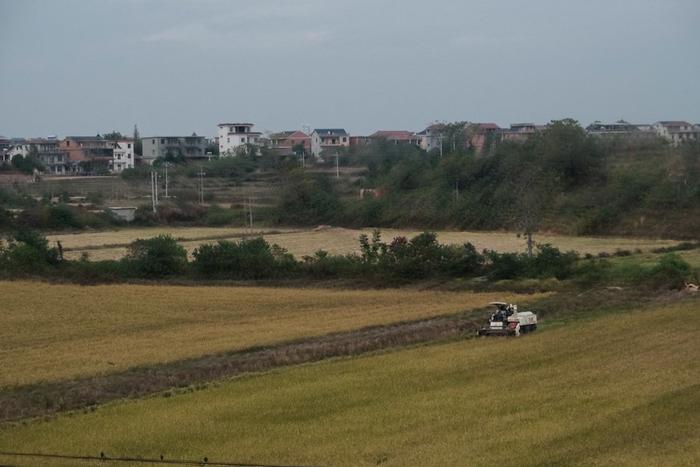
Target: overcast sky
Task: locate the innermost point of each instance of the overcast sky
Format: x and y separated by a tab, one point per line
175	66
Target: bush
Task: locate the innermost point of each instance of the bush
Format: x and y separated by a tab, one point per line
248	259
156	257
26	252
670	272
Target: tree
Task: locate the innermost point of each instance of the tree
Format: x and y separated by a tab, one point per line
138	146
113	136
157	257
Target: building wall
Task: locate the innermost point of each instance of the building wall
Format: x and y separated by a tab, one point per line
232	136
123	156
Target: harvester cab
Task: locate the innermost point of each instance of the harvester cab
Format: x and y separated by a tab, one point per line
506	320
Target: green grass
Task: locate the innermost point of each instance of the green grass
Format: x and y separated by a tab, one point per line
622	389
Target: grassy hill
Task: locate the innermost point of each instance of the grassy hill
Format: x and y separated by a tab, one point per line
620	389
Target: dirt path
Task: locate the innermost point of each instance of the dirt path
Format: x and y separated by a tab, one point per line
44	399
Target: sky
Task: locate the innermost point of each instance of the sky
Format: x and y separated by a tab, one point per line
173	67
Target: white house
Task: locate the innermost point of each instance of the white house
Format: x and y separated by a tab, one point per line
328	139
677	132
123	155
235	135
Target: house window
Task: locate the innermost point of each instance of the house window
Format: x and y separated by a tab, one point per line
162	141
128	145
154	141
344	139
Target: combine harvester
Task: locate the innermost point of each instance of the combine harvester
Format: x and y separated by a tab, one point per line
508	321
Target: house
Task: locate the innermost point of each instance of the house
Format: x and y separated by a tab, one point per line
621	129
359	141
285	143
431	137
87	153
396	137
481	134
520	132
48	151
677	131
328	139
189	147
234	135
123	155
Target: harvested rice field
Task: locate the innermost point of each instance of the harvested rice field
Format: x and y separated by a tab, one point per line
52	332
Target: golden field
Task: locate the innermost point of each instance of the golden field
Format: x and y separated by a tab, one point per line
50	332
112	245
621	389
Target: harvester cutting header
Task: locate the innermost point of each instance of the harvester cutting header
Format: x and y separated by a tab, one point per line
508	321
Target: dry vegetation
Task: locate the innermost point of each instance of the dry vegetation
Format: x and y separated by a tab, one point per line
102	245
617	390
50	332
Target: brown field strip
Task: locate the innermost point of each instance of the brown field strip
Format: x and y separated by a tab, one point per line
52	332
100	245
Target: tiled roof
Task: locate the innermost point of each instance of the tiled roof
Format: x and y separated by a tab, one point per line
331	132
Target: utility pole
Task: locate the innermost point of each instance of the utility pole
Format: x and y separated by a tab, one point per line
166	178
440	138
201	186
250	212
154	190
337	165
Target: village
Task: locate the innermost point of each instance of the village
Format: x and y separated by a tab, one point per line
114	152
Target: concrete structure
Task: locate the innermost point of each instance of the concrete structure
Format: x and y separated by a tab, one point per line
396	137
677	131
234	135
431	137
125	213
283	143
328	140
189	147
123	155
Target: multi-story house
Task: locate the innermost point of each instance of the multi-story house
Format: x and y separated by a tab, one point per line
285	142
87	153
123	155
189	147
677	132
328	139
234	135
396	137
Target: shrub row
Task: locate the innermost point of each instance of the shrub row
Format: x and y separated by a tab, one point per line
378	262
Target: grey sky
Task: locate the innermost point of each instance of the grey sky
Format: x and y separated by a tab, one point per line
174	66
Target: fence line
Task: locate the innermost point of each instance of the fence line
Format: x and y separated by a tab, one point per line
104	458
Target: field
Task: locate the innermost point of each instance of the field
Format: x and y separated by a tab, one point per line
620	389
112	245
50	332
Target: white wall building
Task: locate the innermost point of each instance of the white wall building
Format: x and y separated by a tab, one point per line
235	135
123	156
677	132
